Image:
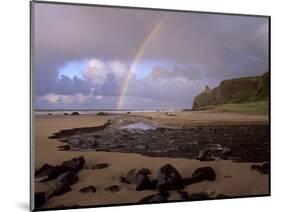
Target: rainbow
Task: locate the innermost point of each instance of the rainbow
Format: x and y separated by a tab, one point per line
136	60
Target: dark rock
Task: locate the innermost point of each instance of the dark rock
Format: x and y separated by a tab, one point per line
140	178
144	171
61	206
204	173
75	164
154	183
75	206
263	169
101	114
183	195
88	189
131	176
64	147
112	188
187	181
168	178
46	169
55	172
70	177
100	166
49	114
266	168
123	179
61	189
221	196
160	197
66	114
75	113
39	199
143	182
199	196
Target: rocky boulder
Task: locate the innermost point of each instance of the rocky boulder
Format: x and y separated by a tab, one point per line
168	178
203	173
46	169
70	177
60	189
75	164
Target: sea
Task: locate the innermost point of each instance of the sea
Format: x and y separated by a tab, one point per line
86	112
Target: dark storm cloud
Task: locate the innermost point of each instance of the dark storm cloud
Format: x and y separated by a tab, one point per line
203	49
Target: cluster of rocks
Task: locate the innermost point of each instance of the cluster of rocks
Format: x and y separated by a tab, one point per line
168	179
64	176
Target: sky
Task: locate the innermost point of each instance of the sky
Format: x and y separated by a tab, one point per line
112	58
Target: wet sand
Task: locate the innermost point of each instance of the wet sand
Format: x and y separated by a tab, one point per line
242	180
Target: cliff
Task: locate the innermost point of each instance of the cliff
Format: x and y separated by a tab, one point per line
234	91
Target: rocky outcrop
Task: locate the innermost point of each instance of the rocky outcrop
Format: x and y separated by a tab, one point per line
239	90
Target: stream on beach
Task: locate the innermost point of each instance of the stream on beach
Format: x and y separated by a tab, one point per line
129	134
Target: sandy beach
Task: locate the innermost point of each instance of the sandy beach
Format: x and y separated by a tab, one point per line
233	179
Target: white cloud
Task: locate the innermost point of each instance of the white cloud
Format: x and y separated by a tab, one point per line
69	99
119	69
97	71
99	97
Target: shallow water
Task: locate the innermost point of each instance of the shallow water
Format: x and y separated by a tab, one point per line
139	126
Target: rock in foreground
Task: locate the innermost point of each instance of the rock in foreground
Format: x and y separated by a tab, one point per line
88	189
156	198
168	178
203	173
